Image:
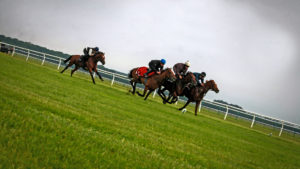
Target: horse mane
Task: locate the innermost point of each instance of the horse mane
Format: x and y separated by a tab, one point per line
210	81
99	52
162	71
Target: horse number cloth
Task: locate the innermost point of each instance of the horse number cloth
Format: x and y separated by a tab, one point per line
142	70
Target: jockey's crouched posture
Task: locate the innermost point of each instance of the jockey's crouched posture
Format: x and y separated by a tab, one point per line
180	69
155	66
88	52
200	78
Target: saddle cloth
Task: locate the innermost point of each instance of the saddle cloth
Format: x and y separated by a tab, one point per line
142	70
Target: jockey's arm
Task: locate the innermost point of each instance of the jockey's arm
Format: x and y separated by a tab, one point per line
179	75
202	80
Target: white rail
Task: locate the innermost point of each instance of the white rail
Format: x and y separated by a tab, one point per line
281	124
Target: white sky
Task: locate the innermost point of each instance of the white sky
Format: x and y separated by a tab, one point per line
250	48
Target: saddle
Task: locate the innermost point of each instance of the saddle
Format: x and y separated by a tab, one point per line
83	59
142	70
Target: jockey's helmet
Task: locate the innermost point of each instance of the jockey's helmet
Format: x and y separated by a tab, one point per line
163	61
187	63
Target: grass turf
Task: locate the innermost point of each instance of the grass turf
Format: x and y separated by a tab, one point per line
52	120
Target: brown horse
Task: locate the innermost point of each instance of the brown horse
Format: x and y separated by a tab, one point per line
90	64
197	93
176	88
151	83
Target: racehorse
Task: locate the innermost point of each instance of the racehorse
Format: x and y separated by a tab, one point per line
196	94
170	86
135	75
176	89
151	83
90	64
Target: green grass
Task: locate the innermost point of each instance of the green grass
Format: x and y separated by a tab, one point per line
50	120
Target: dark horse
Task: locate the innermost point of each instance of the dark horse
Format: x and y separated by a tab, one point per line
197	93
176	88
151	83
90	64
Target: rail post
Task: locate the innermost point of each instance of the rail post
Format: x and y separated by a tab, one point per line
13	51
154	93
199	110
43	59
281	128
113	79
253	120
226	113
59	64
28	53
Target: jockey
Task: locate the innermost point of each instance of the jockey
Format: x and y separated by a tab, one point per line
155	66
88	51
180	69
200	78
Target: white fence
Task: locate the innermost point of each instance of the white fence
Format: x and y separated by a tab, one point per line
226	109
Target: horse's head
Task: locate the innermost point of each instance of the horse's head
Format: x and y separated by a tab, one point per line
211	84
100	56
169	74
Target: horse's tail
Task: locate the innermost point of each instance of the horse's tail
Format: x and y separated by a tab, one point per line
65	61
130	73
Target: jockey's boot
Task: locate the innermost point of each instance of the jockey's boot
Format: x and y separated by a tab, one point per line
146	75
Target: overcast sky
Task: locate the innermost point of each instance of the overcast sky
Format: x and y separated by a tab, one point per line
249	47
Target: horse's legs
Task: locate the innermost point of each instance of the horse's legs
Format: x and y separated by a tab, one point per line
99	76
66	67
196	107
95	70
90	70
74	70
133	86
169	97
145	90
187	103
174	99
161	94
149	92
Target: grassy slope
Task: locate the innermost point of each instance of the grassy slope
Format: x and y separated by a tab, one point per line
52	120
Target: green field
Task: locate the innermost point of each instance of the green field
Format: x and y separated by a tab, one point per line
50	120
